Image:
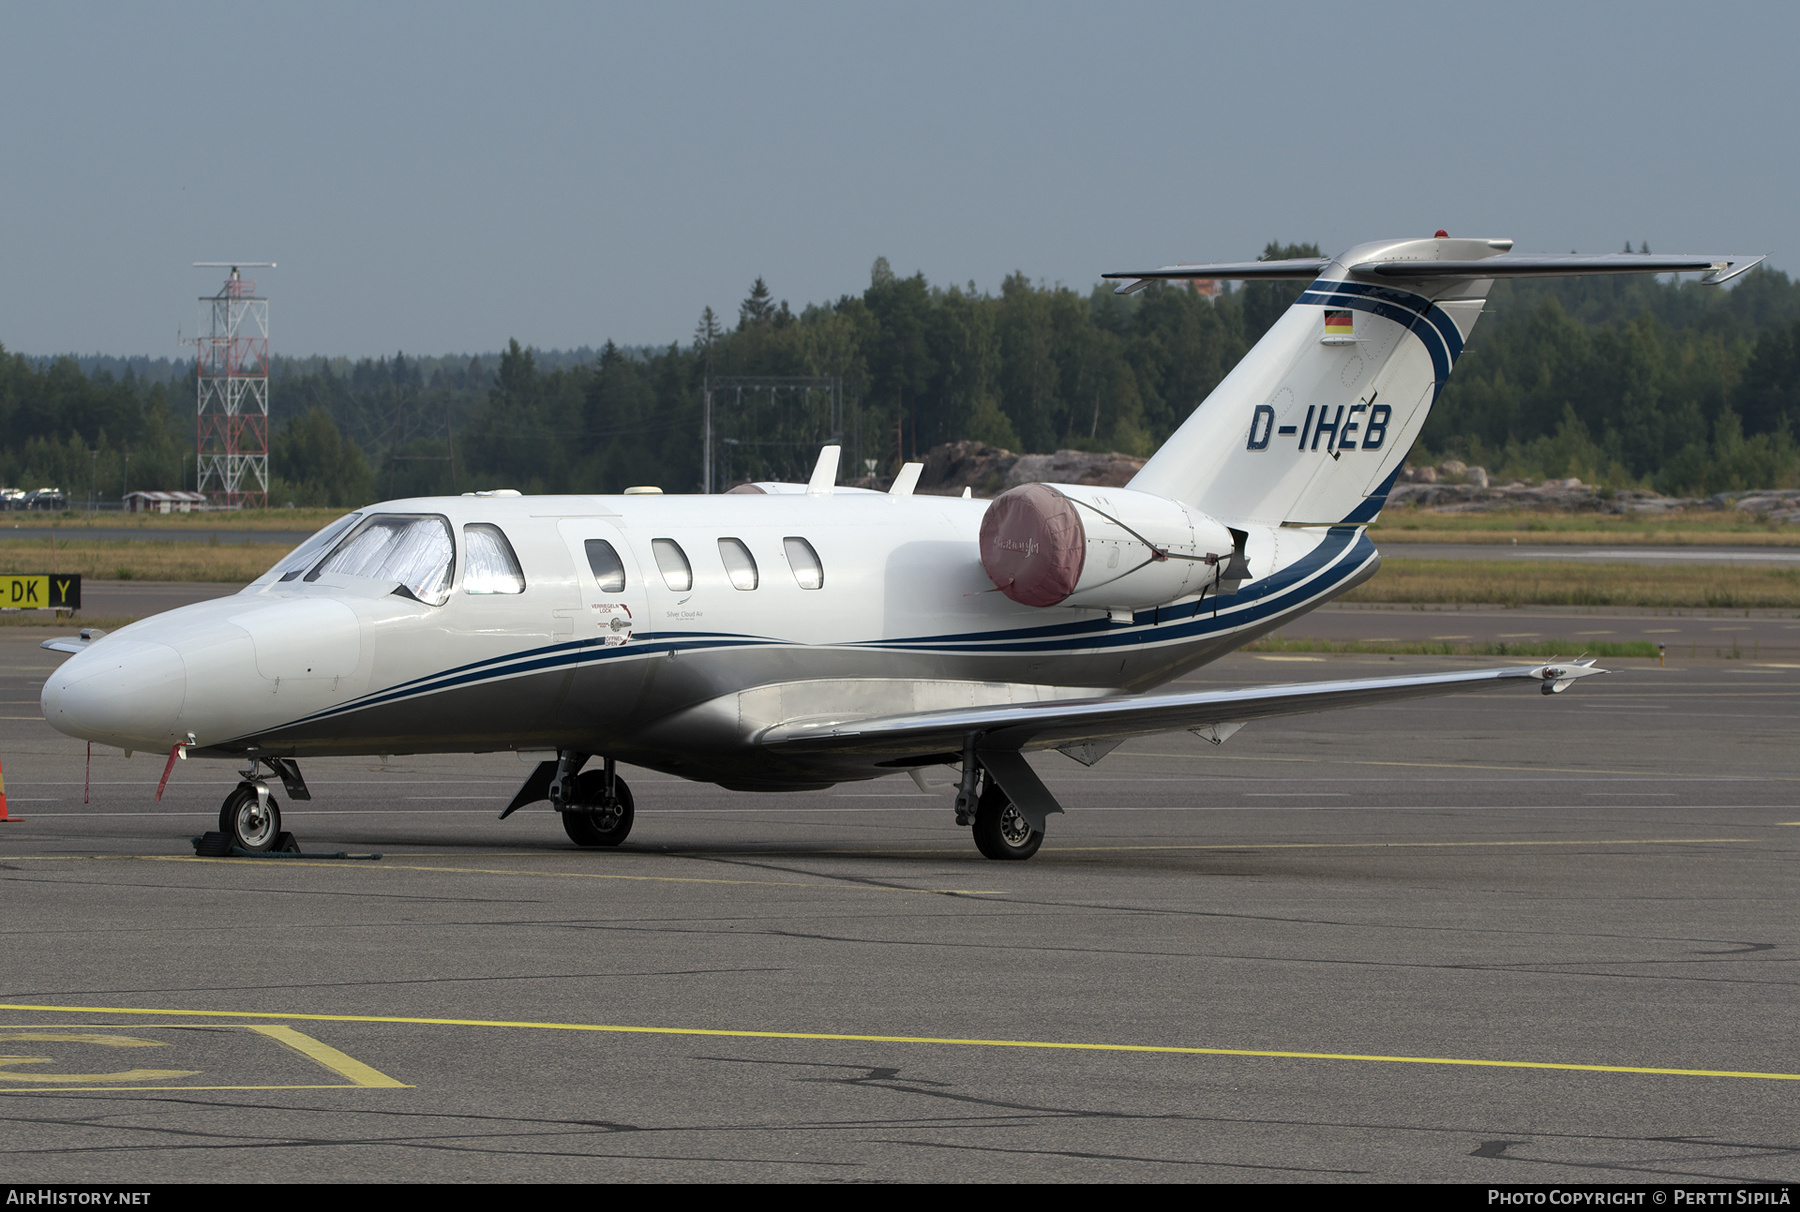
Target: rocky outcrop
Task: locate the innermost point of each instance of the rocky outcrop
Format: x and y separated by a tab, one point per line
1475	495
990	470
1775	505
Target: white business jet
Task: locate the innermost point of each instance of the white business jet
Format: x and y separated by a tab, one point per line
791	636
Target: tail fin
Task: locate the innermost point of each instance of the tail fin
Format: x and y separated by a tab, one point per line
1312	425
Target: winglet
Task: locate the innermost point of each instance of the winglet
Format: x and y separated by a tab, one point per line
824	475
1557	676
1730	269
907	480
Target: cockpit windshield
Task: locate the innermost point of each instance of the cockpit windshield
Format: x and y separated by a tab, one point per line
295	562
415	550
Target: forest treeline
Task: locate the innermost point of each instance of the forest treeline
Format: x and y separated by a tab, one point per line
1618	380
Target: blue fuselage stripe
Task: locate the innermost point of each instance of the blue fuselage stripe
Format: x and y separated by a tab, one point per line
1344	551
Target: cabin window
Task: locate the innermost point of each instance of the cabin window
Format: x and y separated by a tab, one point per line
677	573
740	565
413	550
488	560
295	562
609	569
805	562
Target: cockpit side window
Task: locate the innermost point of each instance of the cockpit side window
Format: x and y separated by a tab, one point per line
415	550
488	560
609	569
292	565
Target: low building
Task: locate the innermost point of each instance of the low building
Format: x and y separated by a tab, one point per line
164	502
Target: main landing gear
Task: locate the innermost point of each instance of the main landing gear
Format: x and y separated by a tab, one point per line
596	807
1001	830
600	812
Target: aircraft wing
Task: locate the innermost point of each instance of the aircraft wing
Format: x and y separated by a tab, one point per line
1085	727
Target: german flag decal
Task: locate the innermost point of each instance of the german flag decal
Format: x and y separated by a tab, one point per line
1337	324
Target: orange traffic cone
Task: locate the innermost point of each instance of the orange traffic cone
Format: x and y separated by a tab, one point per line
3	816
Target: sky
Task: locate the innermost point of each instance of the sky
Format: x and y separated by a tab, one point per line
438	178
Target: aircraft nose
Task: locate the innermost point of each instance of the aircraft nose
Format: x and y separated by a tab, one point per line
126	693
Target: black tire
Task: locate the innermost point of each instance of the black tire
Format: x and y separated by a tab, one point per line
247	824
1001	830
590	821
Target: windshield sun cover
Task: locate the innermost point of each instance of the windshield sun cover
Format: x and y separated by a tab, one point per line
295	562
413	550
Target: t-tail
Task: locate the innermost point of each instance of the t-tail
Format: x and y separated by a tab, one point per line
1311	427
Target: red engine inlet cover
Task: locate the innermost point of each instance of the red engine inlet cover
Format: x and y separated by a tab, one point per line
1033	545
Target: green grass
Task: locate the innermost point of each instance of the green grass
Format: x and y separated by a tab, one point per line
247	519
1690	527
142	559
1567	583
63	626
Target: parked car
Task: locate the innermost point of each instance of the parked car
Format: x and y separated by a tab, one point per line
46	498
12	498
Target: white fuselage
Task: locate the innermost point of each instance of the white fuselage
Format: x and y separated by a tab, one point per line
677	678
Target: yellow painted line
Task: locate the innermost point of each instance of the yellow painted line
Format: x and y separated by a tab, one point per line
1643	841
359	1075
682	853
126	1089
1629	841
951	1041
574	875
324	1054
1252	757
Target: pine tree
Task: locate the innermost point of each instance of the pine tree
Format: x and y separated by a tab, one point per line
707	332
758	309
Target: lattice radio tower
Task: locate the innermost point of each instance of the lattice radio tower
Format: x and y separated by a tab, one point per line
232	380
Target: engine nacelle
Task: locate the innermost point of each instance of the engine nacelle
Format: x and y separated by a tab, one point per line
1102	548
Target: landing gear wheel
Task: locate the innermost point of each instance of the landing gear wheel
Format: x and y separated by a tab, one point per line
1001	830
250	821
591	821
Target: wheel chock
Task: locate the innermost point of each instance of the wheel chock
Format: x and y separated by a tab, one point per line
212	844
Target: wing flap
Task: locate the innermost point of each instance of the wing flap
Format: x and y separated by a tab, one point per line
1059	723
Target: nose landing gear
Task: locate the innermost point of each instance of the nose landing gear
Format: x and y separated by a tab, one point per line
251	818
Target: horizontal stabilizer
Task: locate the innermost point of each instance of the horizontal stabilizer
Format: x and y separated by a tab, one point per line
1058	723
1300	269
1716	268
